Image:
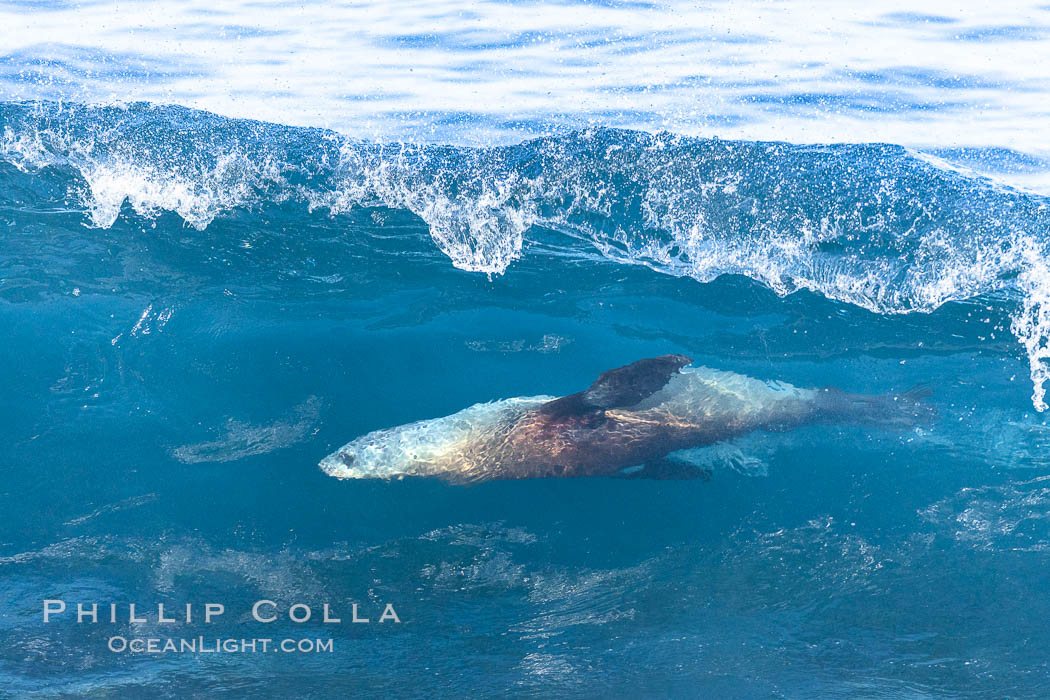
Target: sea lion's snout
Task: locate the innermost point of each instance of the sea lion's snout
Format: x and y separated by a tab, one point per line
340	460
340	464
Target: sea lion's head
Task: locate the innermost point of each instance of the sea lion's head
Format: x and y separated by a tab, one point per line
438	447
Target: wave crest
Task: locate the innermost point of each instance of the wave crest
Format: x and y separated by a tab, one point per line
872	225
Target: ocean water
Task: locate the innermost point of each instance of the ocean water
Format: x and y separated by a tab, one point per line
232	239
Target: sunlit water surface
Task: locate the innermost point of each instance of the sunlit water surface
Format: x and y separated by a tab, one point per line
460	204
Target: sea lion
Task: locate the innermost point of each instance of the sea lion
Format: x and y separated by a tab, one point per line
631	416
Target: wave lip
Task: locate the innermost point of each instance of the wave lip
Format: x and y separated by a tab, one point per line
874	225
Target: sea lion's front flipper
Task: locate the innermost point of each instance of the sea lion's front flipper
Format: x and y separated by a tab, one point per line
622	387
666	468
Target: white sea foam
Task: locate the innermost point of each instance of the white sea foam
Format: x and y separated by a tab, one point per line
197	195
1032	323
882	230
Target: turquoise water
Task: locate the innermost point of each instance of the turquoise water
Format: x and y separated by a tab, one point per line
197	310
233	239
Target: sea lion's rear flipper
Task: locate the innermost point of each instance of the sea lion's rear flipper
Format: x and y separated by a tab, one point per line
904	409
665	469
619	388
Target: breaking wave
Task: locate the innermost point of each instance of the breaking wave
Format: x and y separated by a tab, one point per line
874	225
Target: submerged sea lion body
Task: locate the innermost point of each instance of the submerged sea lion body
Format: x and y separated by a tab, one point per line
631	416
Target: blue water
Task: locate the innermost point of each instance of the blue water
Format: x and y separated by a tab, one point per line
197	309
